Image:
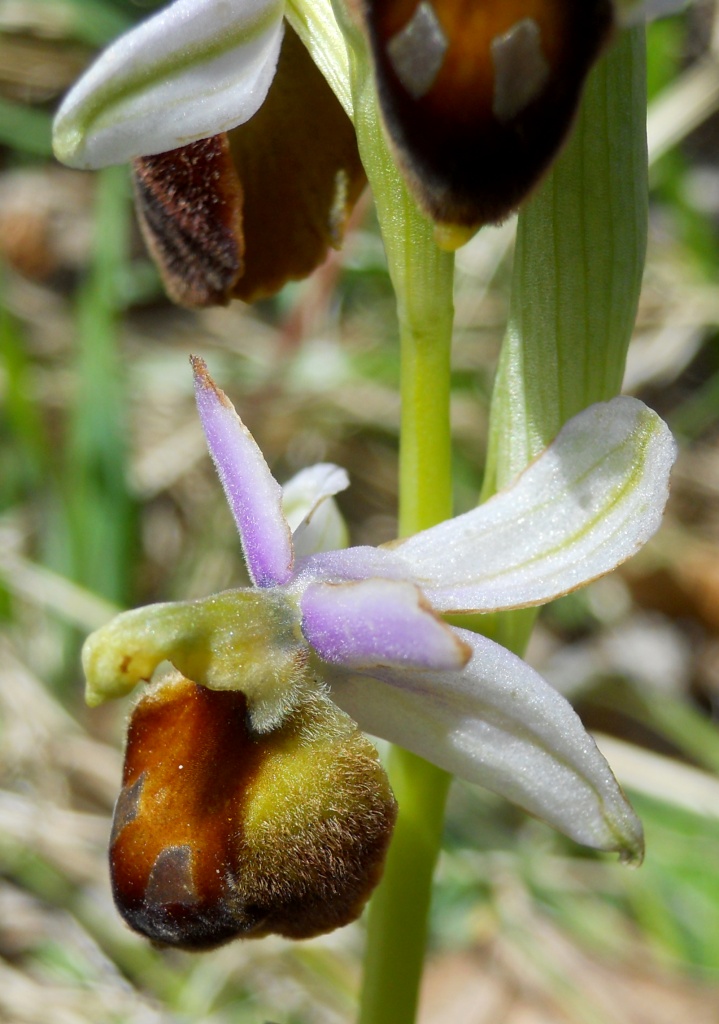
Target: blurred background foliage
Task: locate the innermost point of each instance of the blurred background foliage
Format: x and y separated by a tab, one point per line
107	500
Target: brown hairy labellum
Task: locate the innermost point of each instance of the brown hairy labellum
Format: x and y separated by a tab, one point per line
190	209
240	214
478	95
222	833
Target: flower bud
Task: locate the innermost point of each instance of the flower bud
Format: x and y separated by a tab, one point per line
221	833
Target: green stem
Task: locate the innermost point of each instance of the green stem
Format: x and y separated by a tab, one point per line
101	510
426	314
397	925
422	276
565	349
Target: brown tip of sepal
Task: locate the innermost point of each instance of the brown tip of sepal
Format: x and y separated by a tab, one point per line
204	381
220	833
189	204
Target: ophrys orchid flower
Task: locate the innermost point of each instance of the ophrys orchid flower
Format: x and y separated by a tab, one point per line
246	160
251	801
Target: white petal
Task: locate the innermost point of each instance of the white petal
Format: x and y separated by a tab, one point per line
588	503
198	68
501	725
315	520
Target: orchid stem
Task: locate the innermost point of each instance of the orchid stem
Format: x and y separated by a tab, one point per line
422	276
425	476
397	925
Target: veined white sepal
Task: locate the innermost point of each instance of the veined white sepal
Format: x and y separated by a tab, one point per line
195	69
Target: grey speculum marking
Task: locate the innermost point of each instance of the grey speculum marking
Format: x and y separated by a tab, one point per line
171	879
127	806
417	51
520	68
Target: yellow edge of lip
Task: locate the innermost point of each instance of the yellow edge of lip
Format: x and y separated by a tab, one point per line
453	236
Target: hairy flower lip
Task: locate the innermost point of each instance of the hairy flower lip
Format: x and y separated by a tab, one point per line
222	833
369	623
167	93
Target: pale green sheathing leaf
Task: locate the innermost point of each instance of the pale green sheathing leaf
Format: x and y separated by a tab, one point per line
577	271
315	23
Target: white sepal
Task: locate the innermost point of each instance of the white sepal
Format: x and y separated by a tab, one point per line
587	503
498	723
198	68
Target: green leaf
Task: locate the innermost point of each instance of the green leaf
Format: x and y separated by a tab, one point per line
577	273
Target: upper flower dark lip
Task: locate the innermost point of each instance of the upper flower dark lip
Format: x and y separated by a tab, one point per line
476	134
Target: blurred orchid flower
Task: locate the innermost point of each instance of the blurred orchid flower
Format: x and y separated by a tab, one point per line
246	163
226	212
364	625
195	69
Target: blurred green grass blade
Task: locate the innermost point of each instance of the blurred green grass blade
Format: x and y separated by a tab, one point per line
30	471
102	513
699	412
666	42
686	727
25	129
691	224
675	896
26	454
670	905
674	718
94	22
667	51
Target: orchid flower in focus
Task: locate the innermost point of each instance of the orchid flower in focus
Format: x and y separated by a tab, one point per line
239	124
247	741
